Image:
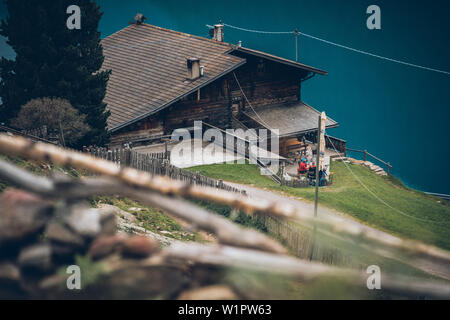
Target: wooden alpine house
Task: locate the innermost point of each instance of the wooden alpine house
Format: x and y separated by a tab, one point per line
162	80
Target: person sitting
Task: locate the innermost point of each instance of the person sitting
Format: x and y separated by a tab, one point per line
323	178
302	168
312	171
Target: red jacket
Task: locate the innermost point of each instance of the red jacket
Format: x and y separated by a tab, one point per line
302	167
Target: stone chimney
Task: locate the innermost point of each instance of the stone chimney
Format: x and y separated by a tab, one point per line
139	18
218	32
193	68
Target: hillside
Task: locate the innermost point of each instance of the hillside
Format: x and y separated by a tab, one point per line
415	214
146	218
157	225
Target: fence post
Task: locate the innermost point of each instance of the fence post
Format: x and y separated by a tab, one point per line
365	155
127	157
388	168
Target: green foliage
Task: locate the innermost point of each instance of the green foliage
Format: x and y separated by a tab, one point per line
53	61
91	271
424	213
39	168
57	115
240	173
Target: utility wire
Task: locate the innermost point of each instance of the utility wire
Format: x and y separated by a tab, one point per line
254	31
354	175
377	197
337	45
262	121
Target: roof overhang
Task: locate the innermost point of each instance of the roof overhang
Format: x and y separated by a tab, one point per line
290	119
278	59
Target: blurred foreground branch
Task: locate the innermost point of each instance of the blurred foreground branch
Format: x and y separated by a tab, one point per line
384	243
225	231
244	248
300	269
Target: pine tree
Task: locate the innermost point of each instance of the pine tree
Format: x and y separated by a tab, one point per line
53	61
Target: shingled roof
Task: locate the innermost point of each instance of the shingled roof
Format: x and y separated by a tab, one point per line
280	60
148	66
290	118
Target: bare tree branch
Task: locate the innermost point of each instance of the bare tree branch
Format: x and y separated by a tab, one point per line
44	152
225	231
243	255
301	269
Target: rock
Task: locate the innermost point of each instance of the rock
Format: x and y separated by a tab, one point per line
118	212
10	287
128	228
36	256
108	222
105	245
9	272
53	282
57	232
85	221
213	292
22	215
63	253
150	282
139	247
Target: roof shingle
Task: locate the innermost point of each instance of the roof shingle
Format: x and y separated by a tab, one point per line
148	66
289	118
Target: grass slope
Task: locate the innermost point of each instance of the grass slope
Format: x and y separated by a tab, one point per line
425	218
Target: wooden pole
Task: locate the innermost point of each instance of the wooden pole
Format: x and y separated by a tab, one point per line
319	133
62	134
319	160
296	44
316	200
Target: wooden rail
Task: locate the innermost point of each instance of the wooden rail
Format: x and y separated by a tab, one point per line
387	164
246	154
330	142
157	164
22	134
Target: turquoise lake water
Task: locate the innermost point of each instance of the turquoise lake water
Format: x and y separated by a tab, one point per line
396	112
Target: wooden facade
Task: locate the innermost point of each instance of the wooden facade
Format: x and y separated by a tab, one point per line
263	82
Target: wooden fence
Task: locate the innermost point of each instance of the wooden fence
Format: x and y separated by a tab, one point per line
330	141
157	164
28	135
295	183
366	154
299	241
